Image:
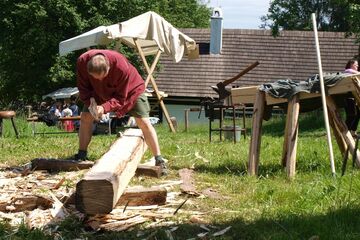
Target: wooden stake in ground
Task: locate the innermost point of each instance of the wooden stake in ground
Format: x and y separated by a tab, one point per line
100	189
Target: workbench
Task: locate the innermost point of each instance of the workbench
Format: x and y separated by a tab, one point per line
261	100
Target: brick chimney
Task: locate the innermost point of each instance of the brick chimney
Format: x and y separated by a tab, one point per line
216	26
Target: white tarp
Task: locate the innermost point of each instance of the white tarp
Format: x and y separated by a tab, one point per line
62	93
151	30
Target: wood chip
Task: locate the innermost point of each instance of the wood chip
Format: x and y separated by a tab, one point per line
222	232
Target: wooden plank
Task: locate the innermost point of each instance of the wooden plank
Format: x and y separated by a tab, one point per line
292	135
141	196
255	142
52	164
100	189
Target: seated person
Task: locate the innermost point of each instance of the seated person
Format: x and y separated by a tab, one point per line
351	109
56	108
352	67
75	111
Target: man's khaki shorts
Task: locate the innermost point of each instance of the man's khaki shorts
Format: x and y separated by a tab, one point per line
141	108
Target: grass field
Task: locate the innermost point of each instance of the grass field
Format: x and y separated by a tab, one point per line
315	205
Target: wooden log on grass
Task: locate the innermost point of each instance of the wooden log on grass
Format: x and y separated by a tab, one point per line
54	165
100	189
141	196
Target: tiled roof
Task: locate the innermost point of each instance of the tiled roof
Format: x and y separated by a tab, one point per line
290	55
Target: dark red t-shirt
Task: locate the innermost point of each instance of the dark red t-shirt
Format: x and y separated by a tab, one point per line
118	91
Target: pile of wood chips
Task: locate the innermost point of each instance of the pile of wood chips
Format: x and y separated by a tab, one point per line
42	199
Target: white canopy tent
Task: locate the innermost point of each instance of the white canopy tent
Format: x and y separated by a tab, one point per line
148	33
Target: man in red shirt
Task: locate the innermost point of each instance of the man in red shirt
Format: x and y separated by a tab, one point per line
116	86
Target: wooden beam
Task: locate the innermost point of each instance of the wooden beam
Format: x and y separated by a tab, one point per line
55	165
255	142
100	189
292	135
141	196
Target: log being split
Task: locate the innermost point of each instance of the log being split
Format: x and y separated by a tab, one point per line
100	189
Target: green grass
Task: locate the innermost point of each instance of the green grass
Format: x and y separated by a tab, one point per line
265	207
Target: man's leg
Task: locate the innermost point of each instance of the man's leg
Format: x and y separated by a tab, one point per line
151	140
85	134
149	135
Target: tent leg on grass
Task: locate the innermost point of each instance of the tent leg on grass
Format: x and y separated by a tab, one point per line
153	83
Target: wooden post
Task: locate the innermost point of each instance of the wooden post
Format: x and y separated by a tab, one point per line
292	122
255	142
285	144
186	119
100	189
343	130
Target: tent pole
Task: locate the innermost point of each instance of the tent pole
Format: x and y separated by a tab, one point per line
154	85
323	95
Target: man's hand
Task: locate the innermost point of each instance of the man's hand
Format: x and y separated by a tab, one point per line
100	111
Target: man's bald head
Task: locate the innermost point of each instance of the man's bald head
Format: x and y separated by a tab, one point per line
98	64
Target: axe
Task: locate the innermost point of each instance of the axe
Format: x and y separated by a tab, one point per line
220	87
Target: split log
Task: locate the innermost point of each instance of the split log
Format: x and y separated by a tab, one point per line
100	189
55	165
141	196
25	203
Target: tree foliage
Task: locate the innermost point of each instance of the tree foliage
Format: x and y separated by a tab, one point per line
30	32
332	15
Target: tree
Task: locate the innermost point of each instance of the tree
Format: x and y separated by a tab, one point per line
296	15
30	32
332	15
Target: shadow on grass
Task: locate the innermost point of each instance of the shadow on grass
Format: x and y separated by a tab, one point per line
236	169
336	224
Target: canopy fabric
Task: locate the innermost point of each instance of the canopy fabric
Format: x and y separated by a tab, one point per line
152	32
62	93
